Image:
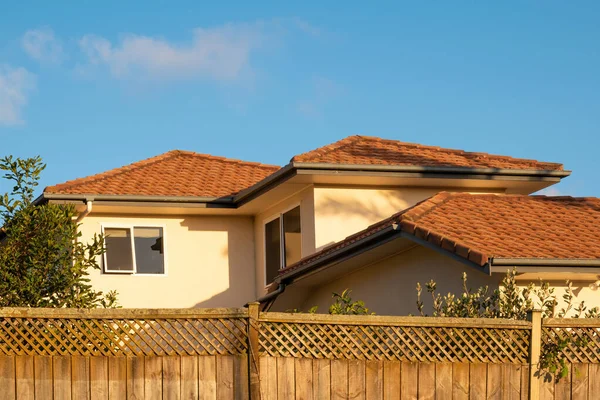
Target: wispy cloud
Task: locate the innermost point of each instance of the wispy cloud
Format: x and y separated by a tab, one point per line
15	86
43	46
220	53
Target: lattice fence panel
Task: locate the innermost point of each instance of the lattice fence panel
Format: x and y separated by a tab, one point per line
577	344
408	343
122	336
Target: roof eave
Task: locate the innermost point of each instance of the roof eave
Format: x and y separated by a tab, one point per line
226	202
544	262
433	170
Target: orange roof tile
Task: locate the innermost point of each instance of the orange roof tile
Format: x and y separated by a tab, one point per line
367	150
478	227
175	173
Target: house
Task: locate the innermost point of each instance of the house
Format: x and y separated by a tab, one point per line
374	215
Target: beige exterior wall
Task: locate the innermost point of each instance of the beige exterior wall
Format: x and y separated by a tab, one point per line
342	211
388	287
305	198
209	263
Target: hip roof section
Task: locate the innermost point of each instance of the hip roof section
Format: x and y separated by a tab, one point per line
481	227
368	150
173	174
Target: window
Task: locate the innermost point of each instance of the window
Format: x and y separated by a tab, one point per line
283	242
134	250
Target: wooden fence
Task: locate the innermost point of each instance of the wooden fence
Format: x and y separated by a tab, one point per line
241	353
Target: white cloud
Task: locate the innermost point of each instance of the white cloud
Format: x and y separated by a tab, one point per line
220	53
15	86
42	45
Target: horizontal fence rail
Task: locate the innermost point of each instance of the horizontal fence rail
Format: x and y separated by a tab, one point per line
421	339
122	332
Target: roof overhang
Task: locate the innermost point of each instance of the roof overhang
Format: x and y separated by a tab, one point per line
515	181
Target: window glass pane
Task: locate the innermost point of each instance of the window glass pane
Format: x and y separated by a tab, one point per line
272	249
149	251
292	236
118	249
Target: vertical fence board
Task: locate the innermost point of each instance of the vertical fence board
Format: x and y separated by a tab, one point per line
477	381
285	378
7	378
562	388
460	381
494	381
80	377
339	379
374	380
579	381
225	377
207	377
304	376
443	381
42	367
172	377
426	381
117	378
409	380
594	382
153	378
241	377
546	388
391	380
322	379
189	377
268	378
135	378
525	382
511	374
356	379
24	377
99	378
61	365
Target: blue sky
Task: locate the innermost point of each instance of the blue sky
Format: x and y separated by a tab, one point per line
96	85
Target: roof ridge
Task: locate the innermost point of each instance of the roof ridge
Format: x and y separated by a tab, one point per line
328	148
148	162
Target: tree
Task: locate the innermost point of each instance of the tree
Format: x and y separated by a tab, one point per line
42	261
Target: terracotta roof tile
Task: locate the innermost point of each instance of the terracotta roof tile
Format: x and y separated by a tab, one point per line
175	173
367	150
478	227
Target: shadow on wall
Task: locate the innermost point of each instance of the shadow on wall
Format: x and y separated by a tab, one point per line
228	264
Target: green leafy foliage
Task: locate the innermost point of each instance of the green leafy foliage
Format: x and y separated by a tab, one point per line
512	301
342	305
42	261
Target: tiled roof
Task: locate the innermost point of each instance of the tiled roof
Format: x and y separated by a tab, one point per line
175	173
367	150
478	227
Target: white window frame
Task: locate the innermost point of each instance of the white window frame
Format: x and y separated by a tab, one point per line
131	227
271	218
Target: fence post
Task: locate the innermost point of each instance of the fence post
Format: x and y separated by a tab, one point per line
535	345
253	366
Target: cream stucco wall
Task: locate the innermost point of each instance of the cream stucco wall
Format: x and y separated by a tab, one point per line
303	197
209	262
342	211
388	287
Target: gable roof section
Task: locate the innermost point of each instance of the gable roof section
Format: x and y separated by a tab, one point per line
173	174
368	150
481	227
